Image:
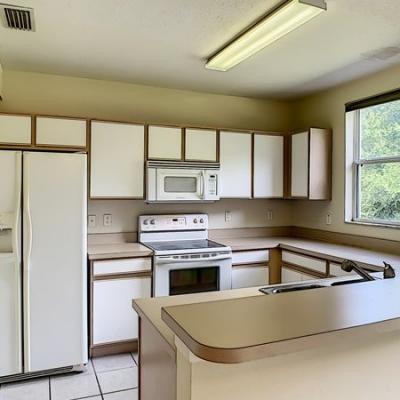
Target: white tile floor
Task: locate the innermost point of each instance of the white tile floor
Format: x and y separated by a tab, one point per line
107	378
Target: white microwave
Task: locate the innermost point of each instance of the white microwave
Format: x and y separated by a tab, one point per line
181	182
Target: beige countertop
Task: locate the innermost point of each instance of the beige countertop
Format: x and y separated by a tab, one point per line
117	250
253	327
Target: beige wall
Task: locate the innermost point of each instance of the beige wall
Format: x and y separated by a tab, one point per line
51	94
327	110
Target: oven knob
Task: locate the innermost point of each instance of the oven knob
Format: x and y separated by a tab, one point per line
201	220
195	221
153	222
146	222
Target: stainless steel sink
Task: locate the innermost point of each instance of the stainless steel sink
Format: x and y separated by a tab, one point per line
291	288
349	282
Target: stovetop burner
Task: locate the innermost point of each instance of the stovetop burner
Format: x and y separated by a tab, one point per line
184	245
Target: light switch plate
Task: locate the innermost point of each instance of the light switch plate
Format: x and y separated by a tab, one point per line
91	221
329	219
270	215
107	219
228	216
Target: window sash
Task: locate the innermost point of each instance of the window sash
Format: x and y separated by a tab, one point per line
357	164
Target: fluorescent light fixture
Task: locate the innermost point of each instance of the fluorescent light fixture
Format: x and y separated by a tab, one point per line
284	19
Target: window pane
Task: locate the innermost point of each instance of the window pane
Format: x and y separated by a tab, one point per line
380	130
380	192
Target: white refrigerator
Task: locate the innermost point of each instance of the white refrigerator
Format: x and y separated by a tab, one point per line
43	278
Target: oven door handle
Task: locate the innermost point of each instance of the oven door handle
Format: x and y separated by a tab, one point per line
171	260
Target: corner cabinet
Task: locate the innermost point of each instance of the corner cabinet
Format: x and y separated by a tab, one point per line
310	164
116	160
268	166
236	168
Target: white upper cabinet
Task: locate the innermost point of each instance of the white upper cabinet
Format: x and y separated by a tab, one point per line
52	131
311	164
268	165
235	159
15	129
200	144
165	143
299	165
116	160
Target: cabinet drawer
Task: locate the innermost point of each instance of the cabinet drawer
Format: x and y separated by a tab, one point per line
15	129
121	266
114	320
248	257
304	261
60	132
249	276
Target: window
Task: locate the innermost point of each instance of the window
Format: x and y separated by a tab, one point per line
373	126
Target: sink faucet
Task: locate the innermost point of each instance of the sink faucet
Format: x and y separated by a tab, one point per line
348	266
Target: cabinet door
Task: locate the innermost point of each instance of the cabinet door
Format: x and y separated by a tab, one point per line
69	132
200	145
299	165
165	143
117	160
114	319
235	159
268	166
249	276
15	129
289	276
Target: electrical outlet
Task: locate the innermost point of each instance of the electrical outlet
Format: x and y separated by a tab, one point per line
270	215
107	219
328	218
91	221
228	216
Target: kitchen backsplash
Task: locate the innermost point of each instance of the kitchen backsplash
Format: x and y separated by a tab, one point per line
241	213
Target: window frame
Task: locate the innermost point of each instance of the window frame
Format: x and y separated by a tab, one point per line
357	163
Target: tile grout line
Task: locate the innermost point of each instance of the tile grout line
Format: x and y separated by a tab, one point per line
97	379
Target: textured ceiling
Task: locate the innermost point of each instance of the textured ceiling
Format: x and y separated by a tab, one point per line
166	42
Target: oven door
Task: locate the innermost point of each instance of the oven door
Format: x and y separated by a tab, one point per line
173	277
180	184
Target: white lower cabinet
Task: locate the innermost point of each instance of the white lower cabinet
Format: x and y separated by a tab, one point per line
114	319
290	275
249	276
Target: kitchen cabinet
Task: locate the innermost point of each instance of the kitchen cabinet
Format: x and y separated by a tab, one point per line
317	266
200	144
268	166
235	160
114	320
114	283
116	160
15	129
249	276
250	268
61	132
290	275
164	143
310	164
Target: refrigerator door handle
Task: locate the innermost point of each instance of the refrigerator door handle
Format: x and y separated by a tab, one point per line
16	234
27	258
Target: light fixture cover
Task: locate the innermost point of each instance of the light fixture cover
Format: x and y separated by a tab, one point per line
280	22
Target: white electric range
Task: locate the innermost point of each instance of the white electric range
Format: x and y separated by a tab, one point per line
185	260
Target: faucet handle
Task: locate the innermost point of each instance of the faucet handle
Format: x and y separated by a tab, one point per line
388	272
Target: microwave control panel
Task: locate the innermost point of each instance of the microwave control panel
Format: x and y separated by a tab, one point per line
148	223
212	184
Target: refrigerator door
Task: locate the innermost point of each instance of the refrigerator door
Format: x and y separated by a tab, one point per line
54	285
10	263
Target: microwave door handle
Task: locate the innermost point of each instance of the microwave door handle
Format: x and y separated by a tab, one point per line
203	183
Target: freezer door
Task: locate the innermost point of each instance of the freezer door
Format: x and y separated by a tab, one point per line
10	263
54	285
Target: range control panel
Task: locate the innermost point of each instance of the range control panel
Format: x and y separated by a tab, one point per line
181	222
